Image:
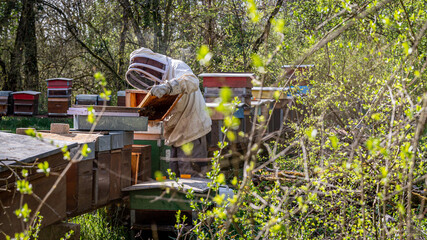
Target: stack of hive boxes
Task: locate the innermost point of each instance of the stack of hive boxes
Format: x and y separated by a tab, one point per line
241	87
59	96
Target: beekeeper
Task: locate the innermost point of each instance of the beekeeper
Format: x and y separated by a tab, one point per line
188	122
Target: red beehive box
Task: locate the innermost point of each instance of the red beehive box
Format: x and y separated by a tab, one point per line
299	74
59	83
26	102
233	80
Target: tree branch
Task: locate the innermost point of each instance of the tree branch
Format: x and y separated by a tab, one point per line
267	27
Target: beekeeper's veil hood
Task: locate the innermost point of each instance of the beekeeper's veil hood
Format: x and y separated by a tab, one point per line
146	68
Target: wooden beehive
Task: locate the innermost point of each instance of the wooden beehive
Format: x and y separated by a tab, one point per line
6	103
58	106
79	176
141	163
26	150
101	101
298	74
232	80
26	102
87	99
134	97
59	96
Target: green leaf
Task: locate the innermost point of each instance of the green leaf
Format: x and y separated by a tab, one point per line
187	148
226	94
221	178
417	73
30	132
334	141
256	60
203	55
91	115
278	25
276	95
231	136
406	48
85	150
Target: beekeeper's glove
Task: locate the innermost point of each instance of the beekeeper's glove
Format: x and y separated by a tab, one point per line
169	87
160	90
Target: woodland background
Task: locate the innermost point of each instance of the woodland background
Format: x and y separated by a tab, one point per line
360	148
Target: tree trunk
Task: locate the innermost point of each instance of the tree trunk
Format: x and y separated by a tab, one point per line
30	48
166	28
209	25
25	45
136	29
123	33
157	25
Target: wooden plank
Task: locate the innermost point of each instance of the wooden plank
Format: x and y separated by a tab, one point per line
125	178
79	187
102	178
115	172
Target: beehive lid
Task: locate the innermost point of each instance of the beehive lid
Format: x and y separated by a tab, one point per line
270	88
5	93
27	92
199	185
62	79
81	97
15	148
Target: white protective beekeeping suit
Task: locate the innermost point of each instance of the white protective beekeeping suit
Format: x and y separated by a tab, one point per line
189	119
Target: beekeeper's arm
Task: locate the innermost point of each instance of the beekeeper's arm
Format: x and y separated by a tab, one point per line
184	81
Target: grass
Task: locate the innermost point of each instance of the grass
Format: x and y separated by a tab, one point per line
8	123
101	224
